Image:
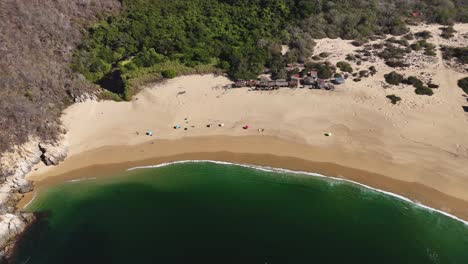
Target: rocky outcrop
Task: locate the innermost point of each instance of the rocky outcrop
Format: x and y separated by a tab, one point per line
14	165
89	96
52	154
11	227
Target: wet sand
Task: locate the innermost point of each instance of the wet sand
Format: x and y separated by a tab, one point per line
254	150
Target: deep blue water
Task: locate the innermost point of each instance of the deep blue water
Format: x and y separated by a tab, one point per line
212	213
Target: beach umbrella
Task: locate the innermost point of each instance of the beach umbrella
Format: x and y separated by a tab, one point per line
149	133
246	127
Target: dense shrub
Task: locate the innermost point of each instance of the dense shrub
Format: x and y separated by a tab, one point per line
363	73
350	57
377	46
423	34
393	98
169	73
394	56
344	66
429	48
424	90
408	36
459	53
414	81
447	32
396	64
463	83
393	78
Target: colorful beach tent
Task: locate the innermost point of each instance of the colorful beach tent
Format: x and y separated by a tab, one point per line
246	127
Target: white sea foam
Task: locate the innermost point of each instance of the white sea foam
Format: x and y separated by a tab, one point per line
280	170
83	179
30	201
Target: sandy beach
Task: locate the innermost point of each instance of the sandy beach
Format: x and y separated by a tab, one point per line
418	148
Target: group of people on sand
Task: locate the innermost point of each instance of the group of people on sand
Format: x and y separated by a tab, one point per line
177	126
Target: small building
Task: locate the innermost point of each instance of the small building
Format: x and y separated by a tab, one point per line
313	74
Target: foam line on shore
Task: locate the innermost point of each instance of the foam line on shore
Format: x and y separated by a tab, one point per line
280	170
83	179
32	199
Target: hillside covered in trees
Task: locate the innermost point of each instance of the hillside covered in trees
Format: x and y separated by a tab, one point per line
45	62
152	38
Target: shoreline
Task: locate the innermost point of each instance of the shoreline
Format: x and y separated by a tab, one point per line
312	174
107	161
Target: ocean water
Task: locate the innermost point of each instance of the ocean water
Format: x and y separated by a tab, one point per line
215	213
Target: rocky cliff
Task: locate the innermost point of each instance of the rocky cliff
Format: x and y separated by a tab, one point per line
14	165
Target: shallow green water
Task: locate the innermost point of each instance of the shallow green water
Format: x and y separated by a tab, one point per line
212	213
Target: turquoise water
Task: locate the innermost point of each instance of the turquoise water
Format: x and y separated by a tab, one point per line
213	213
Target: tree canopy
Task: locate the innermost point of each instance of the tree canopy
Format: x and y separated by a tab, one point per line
240	37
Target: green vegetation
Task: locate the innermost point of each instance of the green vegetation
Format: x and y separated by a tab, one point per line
169	73
413	81
447	32
424	90
421	89
463	83
394	99
344	66
364	73
408	36
238	37
423	34
461	54
429	48
394	56
324	70
393	78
